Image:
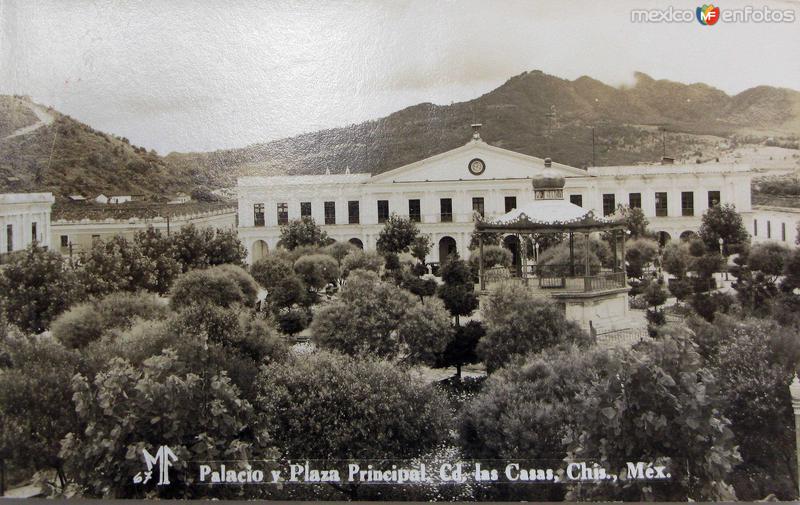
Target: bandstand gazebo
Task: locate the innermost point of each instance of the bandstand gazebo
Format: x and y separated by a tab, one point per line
595	297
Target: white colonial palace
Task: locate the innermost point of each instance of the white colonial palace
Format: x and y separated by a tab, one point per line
443	192
24	218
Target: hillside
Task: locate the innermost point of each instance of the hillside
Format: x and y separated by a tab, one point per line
43	150
533	113
700	121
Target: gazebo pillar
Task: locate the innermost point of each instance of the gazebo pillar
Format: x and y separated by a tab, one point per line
587	273
523	247
571	254
614	249
624	268
481	276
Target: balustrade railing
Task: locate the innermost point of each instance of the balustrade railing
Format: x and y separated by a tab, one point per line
559	279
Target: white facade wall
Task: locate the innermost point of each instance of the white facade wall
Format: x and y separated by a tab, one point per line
19	214
778	224
507	174
79	235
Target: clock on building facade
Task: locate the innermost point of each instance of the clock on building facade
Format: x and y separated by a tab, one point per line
476	166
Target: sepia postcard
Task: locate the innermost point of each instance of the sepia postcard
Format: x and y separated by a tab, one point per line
400	250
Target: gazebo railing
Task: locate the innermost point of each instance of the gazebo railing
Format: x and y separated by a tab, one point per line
559	279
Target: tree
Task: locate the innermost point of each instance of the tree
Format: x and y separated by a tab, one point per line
338	250
88	321
519	323
397	235
458	290
362	410
769	258
37	286
668	406
677	260
361	260
421	247
373	317
293	319
495	425
116	265
639	254
302	232
122	411
493	256
791	271
317	270
269	270
655	295
36	409
159	250
462	348
190	246
215	285
225	248
722	221
635	222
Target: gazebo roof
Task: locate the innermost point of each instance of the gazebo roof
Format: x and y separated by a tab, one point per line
550	216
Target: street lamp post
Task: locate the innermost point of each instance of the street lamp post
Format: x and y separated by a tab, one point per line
794	390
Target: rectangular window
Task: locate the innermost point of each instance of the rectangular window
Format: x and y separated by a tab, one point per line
64	241
477	205
713	198
576	200
95	238
609	204
635	200
258	214
383	210
755	227
305	209
330	212
353	212
446	210
687	203
283	213
511	203
769	229
414	211
783	232
34	236
9	237
661	204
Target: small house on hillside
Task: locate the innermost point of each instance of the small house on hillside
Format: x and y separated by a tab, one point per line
116	199
101	198
76	198
180	198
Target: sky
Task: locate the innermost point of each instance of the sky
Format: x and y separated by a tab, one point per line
181	75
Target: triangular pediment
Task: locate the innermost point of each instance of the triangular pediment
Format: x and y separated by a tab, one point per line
498	163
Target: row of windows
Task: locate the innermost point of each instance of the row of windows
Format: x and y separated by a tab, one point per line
769	229
661	202
353	210
10	236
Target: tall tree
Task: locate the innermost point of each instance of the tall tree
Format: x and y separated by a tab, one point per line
302	232
116	264
37	286
397	235
458	290
722	221
159	249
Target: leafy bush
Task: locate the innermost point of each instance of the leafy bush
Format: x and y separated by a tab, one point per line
216	286
36	409
269	270
302	232
399	418
88	321
667	406
361	260
317	270
519	323
374	317
122	412
36	285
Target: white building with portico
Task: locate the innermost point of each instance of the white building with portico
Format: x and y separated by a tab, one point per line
443	192
24	218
